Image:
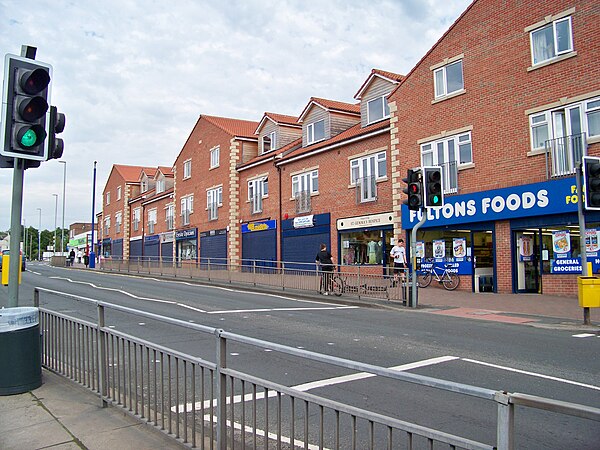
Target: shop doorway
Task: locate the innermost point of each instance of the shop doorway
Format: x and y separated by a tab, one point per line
527	264
483	261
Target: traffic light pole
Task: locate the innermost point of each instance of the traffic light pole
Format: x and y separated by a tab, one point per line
15	233
413	257
584	267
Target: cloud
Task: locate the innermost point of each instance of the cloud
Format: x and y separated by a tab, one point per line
132	77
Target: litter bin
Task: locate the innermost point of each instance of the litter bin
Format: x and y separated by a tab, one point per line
589	292
20	357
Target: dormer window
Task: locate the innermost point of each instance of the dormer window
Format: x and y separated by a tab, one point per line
377	109
144	185
268	142
160	186
315	132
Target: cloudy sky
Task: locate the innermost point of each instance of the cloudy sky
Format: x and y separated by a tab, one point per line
132	77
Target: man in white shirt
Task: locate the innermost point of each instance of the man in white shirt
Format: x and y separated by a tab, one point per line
398	252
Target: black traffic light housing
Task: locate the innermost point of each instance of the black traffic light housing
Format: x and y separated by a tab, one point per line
591	182
56	125
432	187
414	190
25	104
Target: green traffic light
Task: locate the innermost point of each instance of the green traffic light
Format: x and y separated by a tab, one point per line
436	200
29	138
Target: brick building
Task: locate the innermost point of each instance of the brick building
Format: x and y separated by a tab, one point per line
507	102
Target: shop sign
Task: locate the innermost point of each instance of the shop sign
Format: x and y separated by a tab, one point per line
304	221
550	197
167	237
190	233
259	226
461	266
153	238
219	232
375	220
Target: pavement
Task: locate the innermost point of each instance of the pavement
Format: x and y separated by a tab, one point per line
61	414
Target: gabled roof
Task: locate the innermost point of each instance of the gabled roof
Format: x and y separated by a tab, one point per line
235	127
131	174
278	119
350	134
166	171
331	106
150	172
392	77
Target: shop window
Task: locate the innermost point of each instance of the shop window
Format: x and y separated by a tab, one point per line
561	251
365	247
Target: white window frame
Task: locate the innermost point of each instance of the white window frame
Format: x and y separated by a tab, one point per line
170	216
215	154
306	181
450	148
214	196
136	218
444	80
310	132
385	109
544	119
118	192
187	208
107	225
108	198
257	190
152	215
144	185
272	138
160	185
118	221
361	167
557	53
187	169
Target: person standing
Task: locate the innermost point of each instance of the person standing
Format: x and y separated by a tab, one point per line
398	252
72	257
79	255
324	260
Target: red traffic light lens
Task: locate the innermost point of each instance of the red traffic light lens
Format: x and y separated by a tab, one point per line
31	109
34	81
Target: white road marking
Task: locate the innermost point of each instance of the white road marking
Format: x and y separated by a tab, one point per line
584	335
234	311
533	374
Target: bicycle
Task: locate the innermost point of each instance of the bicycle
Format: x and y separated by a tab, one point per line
449	280
340	285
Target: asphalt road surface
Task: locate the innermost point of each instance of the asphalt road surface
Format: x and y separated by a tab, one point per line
515	358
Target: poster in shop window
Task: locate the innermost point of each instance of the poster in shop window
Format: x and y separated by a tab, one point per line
591	242
525	248
459	248
420	250
439	248
561	243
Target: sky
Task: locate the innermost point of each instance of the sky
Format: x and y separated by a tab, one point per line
132	77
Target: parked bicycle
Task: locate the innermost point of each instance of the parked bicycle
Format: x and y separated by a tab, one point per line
449	280
343	284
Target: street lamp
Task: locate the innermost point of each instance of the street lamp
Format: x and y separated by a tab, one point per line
62	230
92	254
55	225
40	236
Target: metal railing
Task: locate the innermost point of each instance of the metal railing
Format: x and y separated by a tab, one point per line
206	404
564	153
366	282
256	204
450	177
366	189
213	211
303	202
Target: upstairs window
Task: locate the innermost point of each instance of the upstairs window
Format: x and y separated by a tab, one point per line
170	216
450	153
257	190
214	157
151	220
448	79
214	199
551	40
118	192
305	182
187	169
377	109
371	166
136	219
187	207
160	186
108	198
315	132
144	187
268	142
118	221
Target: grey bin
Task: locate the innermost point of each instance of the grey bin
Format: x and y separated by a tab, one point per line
20	357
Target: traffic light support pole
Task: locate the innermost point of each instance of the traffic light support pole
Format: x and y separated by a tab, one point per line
584	267
15	233
413	257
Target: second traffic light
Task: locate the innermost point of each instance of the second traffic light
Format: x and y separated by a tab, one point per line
414	190
591	182
25	104
433	192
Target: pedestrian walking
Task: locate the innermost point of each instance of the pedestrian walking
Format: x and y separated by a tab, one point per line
398	253
324	260
72	257
79	256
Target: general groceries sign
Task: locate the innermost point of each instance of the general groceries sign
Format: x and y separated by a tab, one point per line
550	197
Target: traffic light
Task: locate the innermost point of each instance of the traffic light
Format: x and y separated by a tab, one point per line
56	125
24	106
591	182
432	187
414	190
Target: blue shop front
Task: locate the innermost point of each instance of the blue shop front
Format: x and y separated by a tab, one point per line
545	236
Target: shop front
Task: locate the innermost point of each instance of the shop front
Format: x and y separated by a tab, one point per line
166	246
301	238
532	229
151	247
366	240
135	248
259	243
186	244
213	247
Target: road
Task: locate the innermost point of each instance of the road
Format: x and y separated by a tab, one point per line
500	356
